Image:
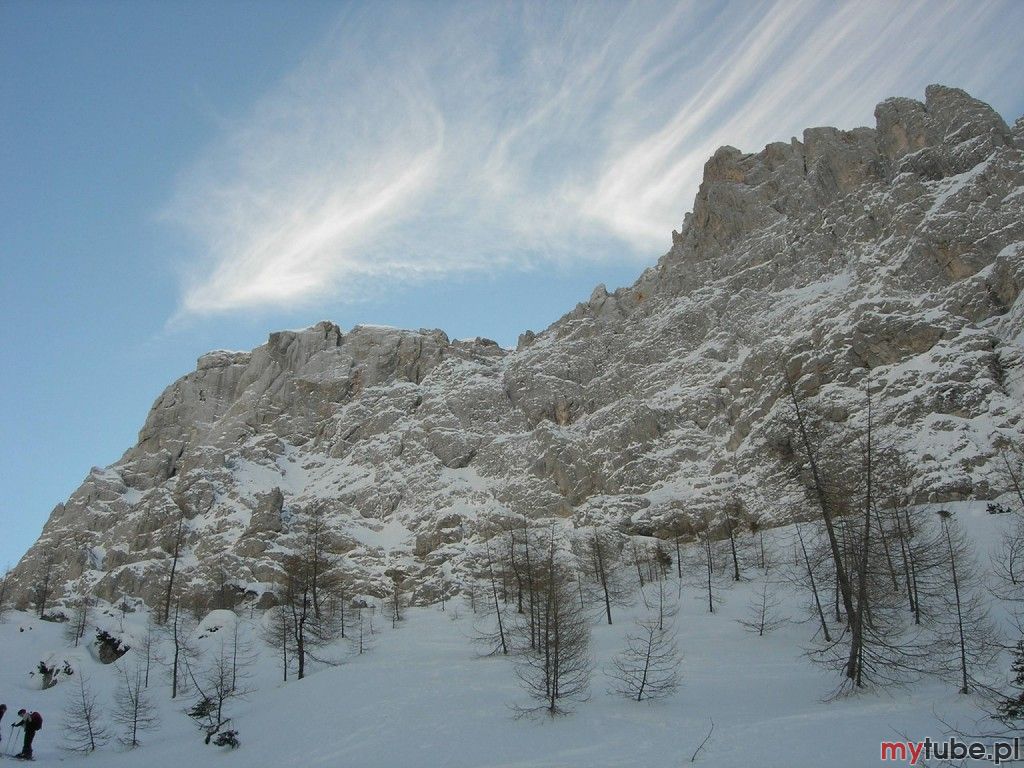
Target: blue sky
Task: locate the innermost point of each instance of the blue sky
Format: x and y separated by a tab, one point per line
178	177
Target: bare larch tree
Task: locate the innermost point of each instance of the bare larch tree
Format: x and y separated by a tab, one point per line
84	730
133	708
648	667
556	667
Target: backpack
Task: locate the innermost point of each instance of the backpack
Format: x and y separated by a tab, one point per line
37	721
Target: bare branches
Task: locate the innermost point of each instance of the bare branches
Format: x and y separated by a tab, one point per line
177	542
44	586
825	506
964	633
179	629
495	639
1010	708
849	489
313	595
278	632
602	553
1013	473
762	613
555	665
656	599
81	606
648	668
133	708
812	584
218	684
1007	567
83	728
703	570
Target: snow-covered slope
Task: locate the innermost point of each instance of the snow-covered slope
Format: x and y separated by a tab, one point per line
423	695
895	252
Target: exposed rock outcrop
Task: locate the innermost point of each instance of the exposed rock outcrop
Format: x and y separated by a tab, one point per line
895	252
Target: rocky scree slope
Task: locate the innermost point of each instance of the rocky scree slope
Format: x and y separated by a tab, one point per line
895	252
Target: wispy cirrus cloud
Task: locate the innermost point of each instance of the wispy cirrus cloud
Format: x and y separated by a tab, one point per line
423	140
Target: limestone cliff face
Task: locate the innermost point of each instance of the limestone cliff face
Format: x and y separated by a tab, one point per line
895	252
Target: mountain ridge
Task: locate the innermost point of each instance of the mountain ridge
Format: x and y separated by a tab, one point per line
895	252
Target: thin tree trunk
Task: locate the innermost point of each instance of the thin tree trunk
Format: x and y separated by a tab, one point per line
604	577
497	608
732	546
515	571
177	654
284	644
174	568
959	614
842	581
835	594
885	547
647	666
913	571
707	551
636	562
904	556
814	588
853	669
534	607
550	674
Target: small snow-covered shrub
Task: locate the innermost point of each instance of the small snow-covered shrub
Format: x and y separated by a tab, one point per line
227	739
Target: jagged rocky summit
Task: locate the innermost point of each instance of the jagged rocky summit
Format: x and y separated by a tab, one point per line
895	252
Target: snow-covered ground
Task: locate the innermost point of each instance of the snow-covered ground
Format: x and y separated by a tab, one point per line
424	696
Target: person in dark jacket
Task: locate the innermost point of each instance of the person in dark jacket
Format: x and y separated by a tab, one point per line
3	711
31	722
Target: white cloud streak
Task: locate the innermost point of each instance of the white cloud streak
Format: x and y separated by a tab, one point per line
421	141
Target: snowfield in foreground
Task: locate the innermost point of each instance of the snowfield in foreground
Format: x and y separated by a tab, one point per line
422	695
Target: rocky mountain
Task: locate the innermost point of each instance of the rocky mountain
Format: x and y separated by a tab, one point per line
892	254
